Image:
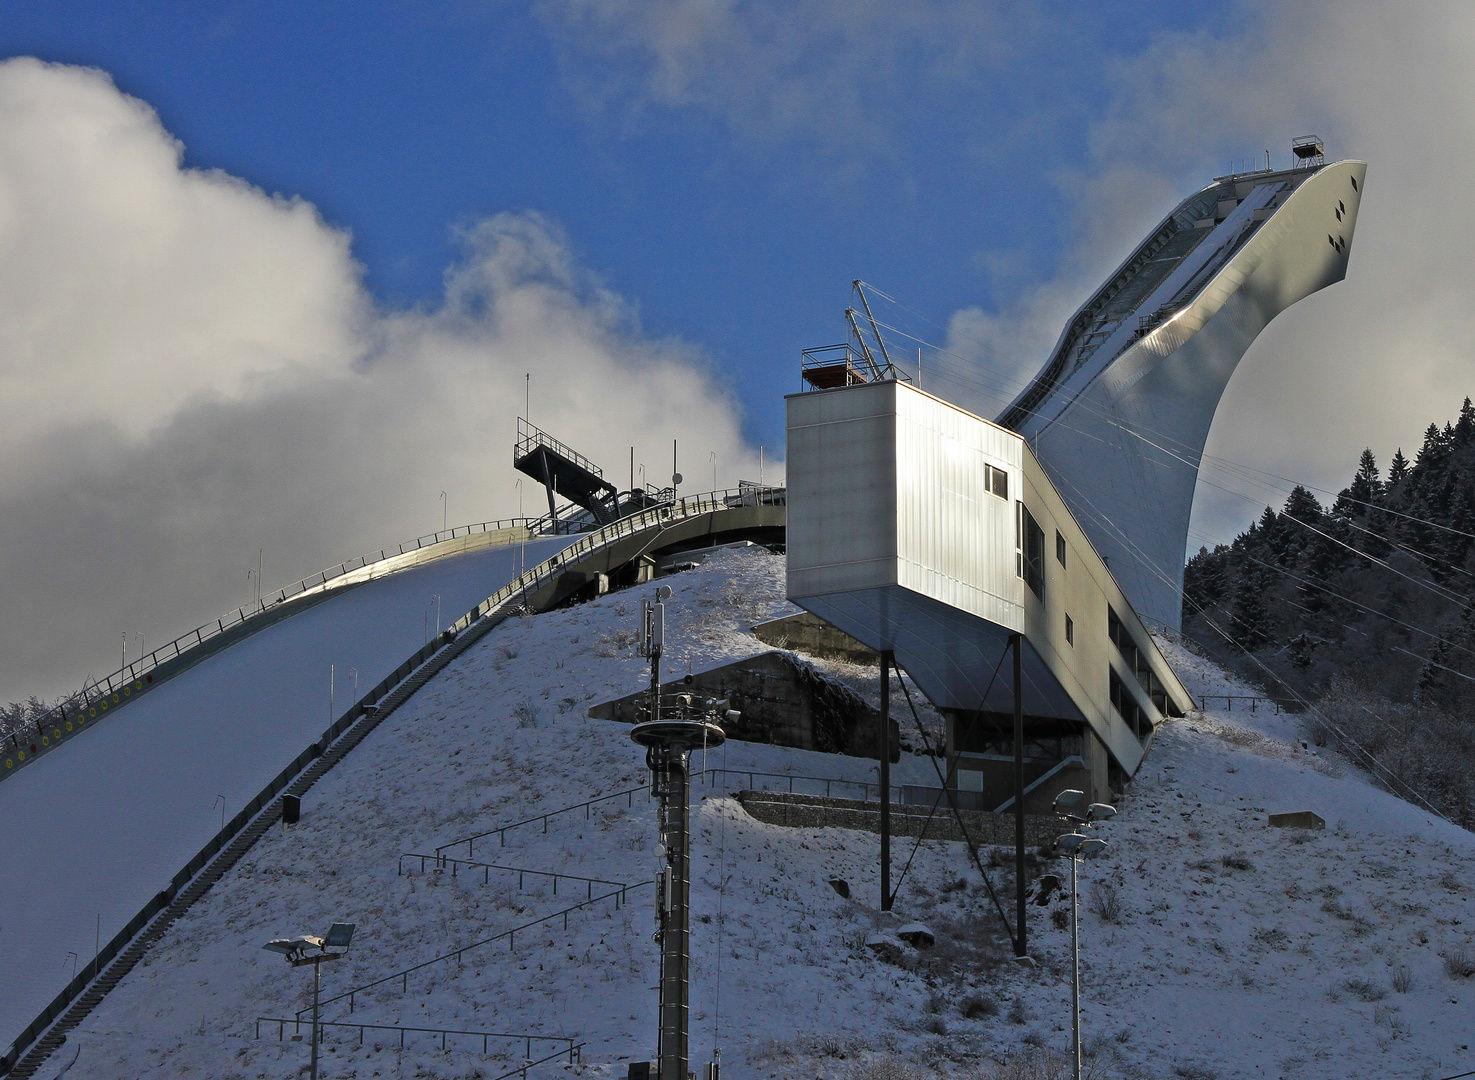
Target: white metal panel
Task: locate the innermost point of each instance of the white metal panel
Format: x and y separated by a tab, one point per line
842	490
955	539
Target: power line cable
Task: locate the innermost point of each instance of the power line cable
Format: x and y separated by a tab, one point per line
942	782
1002	389
1372	759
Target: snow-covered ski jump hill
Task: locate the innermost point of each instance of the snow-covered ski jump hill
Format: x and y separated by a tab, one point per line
1213	945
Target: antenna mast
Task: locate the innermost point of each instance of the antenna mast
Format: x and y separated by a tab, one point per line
888	370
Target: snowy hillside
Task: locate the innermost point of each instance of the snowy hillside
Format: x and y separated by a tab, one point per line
1226	949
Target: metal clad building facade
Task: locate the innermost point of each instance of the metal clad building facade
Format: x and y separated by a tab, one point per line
924	530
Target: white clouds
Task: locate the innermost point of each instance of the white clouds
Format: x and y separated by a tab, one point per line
193	370
1368	362
1373	360
131	286
819	72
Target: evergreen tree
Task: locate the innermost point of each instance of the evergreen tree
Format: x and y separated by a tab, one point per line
1204	580
1249	619
1465	426
1366	485
1398	467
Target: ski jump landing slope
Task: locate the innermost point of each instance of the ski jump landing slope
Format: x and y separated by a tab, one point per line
98	826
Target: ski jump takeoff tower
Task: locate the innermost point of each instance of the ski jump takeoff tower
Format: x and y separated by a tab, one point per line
1119	414
942	540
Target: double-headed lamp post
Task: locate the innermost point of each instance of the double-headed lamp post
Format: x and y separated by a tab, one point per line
314	950
1075	846
669	734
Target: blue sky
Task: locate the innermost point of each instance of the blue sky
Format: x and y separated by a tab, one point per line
403	122
295	336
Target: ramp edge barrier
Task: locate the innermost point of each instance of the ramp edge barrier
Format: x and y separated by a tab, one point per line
81	710
118	956
78	712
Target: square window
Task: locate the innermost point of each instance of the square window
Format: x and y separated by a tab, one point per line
1060	547
996	481
1070	631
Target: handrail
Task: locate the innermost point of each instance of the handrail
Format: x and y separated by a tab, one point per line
628	795
677	510
619	896
1281	704
97	696
866	786
530	437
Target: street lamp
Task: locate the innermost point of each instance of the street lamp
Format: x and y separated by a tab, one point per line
299	951
1072	806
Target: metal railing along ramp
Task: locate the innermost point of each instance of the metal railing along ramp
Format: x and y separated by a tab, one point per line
96	829
99	697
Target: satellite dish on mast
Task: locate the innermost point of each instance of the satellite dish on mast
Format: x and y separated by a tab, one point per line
676	478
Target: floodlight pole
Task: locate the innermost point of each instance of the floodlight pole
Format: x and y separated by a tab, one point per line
1020	939
1071	804
668	745
317	987
885	743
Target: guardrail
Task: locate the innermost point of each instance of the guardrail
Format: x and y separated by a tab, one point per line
689	506
570	1047
706	777
869	790
113	949
1255	702
97	697
438	863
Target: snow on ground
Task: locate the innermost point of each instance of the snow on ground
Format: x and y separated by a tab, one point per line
1238	950
97	826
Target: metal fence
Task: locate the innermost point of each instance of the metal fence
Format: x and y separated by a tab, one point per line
449	1038
619	896
438	864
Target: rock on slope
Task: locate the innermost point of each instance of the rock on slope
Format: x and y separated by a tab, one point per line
1213	946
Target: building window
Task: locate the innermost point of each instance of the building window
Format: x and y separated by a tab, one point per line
1136	660
1060	547
1029	539
1070	631
1125	704
996	480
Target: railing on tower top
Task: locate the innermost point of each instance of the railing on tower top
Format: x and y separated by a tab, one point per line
529	438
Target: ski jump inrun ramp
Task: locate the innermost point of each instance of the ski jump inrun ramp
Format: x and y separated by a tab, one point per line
99	827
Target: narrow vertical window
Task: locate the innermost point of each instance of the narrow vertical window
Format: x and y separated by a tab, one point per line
1060	547
1030	557
1070	631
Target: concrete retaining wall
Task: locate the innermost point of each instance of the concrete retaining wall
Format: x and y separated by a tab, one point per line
815	812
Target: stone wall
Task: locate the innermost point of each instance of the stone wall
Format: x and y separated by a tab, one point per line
783	701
